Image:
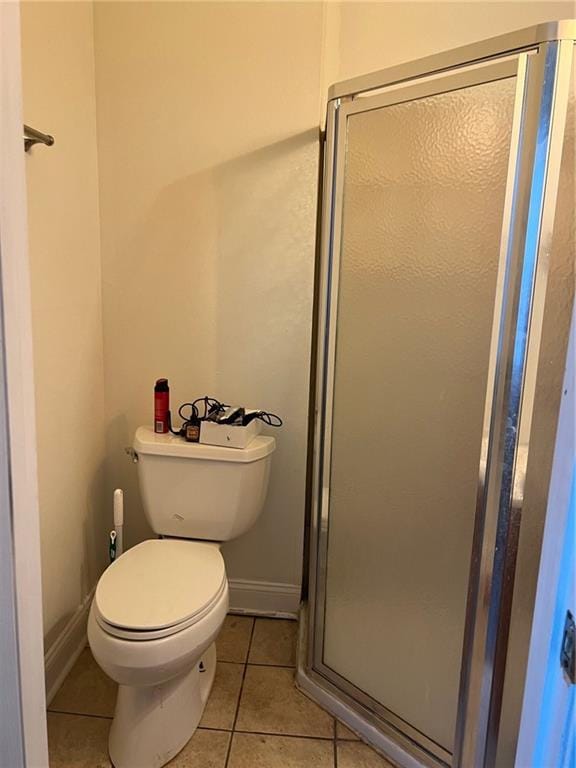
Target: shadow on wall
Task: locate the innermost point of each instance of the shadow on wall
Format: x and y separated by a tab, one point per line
222	267
94	540
95	528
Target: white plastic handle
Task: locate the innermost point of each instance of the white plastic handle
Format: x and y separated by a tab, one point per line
118	507
119	520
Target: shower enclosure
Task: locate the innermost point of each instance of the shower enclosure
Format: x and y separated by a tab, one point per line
444	295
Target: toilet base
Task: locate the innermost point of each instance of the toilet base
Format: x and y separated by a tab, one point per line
152	724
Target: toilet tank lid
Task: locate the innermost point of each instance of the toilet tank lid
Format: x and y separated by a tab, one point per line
147	441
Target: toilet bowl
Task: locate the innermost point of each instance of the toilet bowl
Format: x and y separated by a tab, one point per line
159	607
153	621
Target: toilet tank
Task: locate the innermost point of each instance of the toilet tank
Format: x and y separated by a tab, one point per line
197	491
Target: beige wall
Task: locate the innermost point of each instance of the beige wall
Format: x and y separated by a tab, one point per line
207	115
58	79
372	36
207	126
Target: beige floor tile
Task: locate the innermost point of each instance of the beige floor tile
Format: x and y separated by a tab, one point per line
354	754
274	642
342	732
250	750
221	705
270	703
234	639
78	742
206	749
86	690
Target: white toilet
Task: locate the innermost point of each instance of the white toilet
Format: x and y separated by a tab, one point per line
159	608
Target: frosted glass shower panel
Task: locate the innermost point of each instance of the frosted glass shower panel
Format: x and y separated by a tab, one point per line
424	191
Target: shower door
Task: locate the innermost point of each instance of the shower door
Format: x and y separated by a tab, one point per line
424	193
425	251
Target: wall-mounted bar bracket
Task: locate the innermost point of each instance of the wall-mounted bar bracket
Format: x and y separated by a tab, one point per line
32	137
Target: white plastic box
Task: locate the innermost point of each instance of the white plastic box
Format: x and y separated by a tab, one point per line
228	435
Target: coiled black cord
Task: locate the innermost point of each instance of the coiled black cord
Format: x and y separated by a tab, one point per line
204	408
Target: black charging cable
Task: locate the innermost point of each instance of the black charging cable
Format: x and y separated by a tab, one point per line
271	419
208	408
192	419
211	407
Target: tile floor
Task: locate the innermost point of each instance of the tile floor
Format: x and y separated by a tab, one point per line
254	718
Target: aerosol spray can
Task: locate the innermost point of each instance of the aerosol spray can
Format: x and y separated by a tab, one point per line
161	406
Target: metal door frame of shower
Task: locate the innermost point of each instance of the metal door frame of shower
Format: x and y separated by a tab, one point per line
540	58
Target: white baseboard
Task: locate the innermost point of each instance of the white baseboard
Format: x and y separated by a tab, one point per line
264	598
60	657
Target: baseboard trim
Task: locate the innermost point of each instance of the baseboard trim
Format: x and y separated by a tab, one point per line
60	657
264	598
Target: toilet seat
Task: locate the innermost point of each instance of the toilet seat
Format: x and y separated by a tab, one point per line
159	588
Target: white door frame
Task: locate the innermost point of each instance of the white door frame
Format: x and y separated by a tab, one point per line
534	737
23	709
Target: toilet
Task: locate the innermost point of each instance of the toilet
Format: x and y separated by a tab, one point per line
158	608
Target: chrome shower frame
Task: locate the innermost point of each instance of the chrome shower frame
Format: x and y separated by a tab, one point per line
540	58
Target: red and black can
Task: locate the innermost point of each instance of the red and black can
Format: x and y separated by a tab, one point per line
161	406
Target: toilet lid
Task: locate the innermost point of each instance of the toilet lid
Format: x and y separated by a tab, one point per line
160	583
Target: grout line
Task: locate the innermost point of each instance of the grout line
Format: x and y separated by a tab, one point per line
285	735
270	733
257	664
78	714
240	695
216	730
251	638
335	743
